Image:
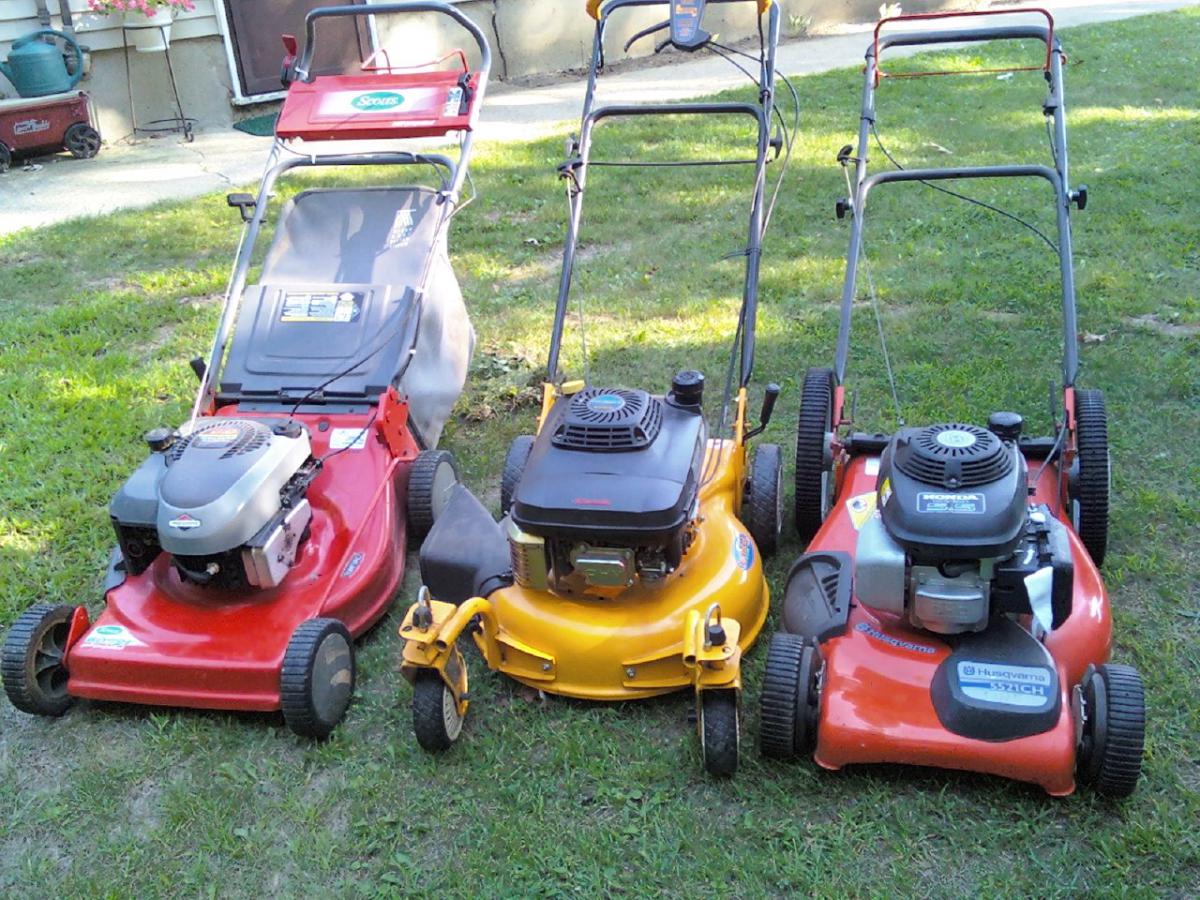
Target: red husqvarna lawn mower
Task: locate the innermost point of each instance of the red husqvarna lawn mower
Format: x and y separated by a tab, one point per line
265	534
948	611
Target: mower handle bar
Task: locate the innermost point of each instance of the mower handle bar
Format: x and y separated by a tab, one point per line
385	9
964	35
599	12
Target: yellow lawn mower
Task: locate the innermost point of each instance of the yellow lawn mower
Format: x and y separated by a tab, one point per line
628	562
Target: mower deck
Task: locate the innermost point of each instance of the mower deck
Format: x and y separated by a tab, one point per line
166	642
876	700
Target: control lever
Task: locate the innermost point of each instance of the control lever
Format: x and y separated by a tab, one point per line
243	203
770	395
287	72
646	32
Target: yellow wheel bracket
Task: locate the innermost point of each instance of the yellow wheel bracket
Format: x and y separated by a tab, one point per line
711	650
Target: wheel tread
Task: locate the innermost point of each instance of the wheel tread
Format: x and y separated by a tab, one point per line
778	701
816	401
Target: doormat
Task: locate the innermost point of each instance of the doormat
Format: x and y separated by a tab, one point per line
259	126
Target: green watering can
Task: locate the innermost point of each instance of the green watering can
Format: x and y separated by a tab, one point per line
36	68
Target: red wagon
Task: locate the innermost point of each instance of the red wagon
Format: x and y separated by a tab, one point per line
47	125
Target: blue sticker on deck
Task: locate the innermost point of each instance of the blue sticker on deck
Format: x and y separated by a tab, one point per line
1027	686
743	552
962	504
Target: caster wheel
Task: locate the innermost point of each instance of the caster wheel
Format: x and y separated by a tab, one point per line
436	719
764	500
31	663
82	140
514	467
790	700
317	680
814	476
720	738
430	478
1110	715
1095	472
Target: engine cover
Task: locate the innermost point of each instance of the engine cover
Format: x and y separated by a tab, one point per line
952	492
612	466
222	484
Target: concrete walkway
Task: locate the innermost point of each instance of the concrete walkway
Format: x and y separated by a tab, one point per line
130	175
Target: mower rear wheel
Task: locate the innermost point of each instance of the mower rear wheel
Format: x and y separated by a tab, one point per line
82	140
1110	707
764	500
1095	472
437	722
31	663
430	478
5	157
514	467
814	476
720	737
790	698
317	679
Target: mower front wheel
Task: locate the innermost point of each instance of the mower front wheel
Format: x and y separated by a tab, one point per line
317	679
790	699
31	663
430	478
514	468
1110	713
437	721
720	736
764	500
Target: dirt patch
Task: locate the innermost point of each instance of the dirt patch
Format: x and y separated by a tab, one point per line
1154	322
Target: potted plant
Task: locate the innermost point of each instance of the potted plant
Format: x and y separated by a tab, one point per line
149	21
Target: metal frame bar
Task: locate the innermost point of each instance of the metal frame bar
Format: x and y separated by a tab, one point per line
577	169
1057	176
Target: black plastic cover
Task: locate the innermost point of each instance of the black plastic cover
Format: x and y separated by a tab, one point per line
1045	544
934	522
465	554
998	685
640	497
816	601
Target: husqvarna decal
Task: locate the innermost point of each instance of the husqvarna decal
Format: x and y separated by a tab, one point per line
111	637
1010	685
878	635
743	552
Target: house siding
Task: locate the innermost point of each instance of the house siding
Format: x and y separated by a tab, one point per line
19	17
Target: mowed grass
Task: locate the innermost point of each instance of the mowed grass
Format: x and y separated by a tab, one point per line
544	797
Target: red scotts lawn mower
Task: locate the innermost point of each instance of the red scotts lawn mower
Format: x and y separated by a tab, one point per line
948	611
260	538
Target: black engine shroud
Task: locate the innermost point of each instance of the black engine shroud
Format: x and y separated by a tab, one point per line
613	466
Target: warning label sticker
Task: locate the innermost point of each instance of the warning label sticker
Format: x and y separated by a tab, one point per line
861	507
321	306
348	438
218	437
111	637
1026	686
966	504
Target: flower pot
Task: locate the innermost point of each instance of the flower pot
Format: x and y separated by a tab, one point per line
150	33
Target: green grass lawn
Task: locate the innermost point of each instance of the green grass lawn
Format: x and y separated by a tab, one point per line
549	797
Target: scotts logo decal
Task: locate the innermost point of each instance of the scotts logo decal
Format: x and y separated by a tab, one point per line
743	552
377	100
185	522
606	403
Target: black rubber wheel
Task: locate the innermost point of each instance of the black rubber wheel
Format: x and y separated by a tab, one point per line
764	498
720	738
780	697
1095	472
317	680
430	478
813	476
5	157
31	662
437	722
514	466
82	140
1113	729
790	697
